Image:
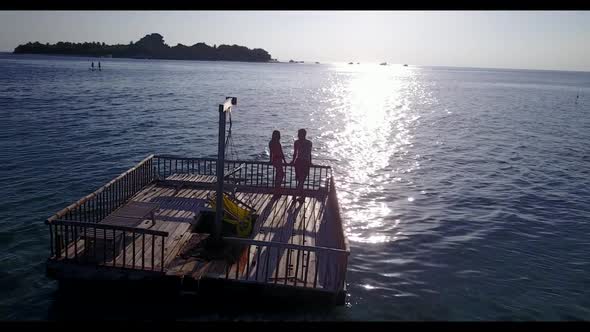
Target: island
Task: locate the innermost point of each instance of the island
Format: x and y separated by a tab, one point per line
151	46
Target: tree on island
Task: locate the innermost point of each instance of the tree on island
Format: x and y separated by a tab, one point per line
151	46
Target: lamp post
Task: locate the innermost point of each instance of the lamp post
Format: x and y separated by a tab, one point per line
223	109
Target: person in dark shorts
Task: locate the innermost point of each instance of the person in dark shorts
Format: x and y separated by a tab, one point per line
301	160
277	158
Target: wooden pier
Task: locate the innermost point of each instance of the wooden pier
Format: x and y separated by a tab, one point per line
146	225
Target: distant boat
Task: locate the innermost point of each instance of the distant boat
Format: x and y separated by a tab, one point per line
317	63
405	65
351	63
358	63
383	63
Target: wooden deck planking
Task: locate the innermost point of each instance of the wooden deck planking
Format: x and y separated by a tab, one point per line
185	265
128	250
280	220
293	216
304	233
174	248
172	209
269	230
298	269
186	177
176	264
146	242
280	226
311	239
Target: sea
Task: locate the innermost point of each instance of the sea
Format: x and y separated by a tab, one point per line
465	192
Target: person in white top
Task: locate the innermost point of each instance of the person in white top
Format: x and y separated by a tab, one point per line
301	160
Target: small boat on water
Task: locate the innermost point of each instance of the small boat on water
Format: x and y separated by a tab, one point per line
383	64
351	63
405	65
180	224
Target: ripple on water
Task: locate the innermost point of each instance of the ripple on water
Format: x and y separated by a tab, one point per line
463	198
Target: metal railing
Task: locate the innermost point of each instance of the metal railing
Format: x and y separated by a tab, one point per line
107	245
99	204
252	174
288	265
78	224
333	214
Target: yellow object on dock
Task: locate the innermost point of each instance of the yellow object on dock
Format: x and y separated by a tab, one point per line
243	217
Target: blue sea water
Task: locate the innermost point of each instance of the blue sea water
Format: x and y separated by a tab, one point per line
465	192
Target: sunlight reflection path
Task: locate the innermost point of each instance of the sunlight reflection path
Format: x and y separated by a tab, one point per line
369	124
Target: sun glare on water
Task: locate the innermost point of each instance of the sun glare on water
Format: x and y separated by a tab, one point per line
369	125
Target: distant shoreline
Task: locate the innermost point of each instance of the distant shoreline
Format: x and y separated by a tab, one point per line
98	58
151	46
310	63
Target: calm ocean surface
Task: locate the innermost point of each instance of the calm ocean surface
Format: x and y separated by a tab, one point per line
465	192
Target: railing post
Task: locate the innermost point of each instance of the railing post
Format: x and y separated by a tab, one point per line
51	239
58	241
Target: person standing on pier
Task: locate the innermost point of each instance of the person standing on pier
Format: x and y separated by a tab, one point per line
301	160
277	158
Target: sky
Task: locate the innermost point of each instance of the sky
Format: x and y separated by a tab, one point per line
550	40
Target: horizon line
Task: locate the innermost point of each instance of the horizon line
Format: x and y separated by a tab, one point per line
333	62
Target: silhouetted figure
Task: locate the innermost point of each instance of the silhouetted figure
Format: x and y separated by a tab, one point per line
277	158
92	66
99	66
302	160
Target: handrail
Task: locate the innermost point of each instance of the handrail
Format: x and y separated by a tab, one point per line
94	194
335	209
83	243
232	161
289	263
284	245
106	226
251	173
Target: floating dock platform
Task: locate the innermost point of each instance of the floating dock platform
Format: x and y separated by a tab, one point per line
146	226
